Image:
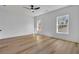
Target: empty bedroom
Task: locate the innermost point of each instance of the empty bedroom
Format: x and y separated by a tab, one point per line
39	29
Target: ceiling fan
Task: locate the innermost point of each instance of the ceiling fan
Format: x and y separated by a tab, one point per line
32	8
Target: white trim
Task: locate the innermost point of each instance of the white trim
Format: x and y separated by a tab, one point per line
57	25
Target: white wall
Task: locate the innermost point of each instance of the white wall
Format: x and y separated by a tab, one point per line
48	21
15	25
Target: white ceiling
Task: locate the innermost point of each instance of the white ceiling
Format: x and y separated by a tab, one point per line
19	10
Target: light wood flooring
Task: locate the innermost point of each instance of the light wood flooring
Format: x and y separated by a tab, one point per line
37	44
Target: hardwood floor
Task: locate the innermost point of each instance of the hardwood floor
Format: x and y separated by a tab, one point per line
37	44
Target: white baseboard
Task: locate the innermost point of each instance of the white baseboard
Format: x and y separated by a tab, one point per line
15	36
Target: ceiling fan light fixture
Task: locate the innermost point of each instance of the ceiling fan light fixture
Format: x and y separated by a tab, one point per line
32	10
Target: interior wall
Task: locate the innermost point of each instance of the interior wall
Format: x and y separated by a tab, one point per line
48	22
15	25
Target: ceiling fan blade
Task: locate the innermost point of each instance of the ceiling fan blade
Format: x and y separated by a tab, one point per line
27	8
32	8
37	8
